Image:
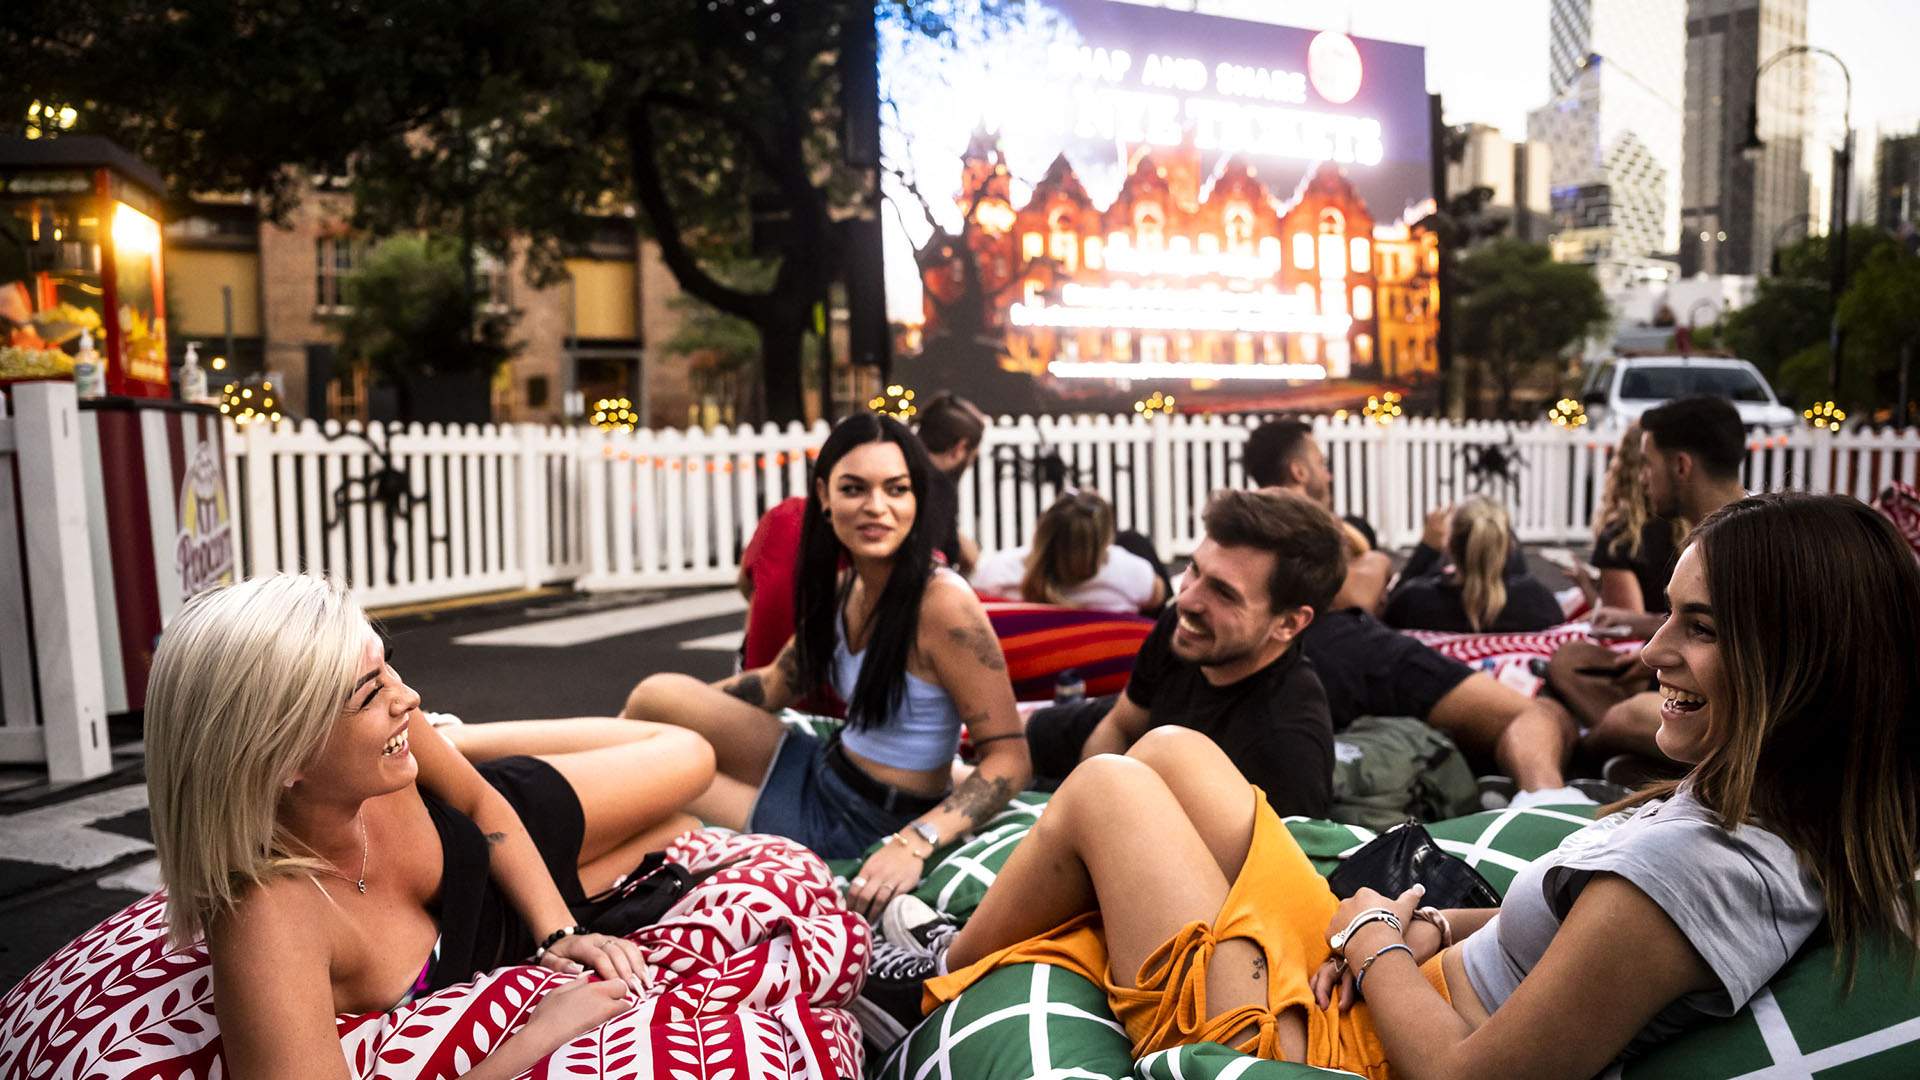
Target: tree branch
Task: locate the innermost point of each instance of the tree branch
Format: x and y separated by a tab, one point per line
650	190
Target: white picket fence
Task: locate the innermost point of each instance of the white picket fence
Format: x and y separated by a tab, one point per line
482	509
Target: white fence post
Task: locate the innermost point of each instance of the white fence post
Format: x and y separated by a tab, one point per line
531	512
59	571
1160	453
259	495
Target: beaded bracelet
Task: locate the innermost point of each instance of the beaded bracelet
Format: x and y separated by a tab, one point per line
554	939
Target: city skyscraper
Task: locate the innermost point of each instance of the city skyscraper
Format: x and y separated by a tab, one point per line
1613	123
1736	209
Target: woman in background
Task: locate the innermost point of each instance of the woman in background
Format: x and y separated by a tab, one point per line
1476	594
1073	562
1633	550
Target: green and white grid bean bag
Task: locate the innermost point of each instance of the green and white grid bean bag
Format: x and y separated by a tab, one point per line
1037	1021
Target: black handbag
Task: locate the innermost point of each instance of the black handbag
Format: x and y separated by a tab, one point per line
640	898
1404	856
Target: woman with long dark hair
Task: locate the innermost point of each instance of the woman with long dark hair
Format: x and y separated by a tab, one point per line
1787	666
904	643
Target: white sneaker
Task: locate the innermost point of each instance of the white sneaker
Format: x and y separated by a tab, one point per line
1559	796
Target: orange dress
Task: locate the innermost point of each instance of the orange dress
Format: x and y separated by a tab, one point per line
1281	905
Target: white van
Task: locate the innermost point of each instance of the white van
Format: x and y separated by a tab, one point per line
1618	391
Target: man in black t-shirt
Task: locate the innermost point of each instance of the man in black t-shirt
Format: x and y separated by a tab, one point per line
1223	660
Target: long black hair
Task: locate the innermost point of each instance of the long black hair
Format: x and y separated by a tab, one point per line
819	598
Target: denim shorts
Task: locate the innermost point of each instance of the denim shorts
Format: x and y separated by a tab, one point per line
805	797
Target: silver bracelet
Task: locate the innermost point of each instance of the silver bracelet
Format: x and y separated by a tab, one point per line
1338	942
1361	975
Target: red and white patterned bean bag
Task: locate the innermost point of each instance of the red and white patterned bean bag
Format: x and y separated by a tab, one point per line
1901	504
751	970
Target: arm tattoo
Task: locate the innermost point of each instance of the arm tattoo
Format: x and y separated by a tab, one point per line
980	640
979	798
748	689
496	838
787	664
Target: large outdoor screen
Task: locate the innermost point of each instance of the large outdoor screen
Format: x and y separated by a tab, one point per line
1097	199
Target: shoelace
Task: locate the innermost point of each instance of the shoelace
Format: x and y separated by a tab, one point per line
893	962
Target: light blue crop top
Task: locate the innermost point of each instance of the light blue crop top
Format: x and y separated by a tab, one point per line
923	735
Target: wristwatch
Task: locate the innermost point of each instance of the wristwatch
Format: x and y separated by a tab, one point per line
1339	941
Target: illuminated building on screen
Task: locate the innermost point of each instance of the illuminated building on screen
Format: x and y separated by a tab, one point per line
1207	278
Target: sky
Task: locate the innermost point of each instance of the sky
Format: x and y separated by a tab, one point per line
1488	58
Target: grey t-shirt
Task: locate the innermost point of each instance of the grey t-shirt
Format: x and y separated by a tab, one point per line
1740	897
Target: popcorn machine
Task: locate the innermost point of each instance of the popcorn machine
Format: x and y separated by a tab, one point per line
80	254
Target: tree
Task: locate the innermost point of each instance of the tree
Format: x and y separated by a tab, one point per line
412	321
1792	310
720	119
1517	308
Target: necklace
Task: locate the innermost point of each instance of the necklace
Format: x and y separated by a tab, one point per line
361	881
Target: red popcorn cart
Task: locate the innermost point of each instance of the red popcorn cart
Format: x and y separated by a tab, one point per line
81	256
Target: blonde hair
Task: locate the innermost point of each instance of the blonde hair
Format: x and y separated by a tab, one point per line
1069	545
1478	543
1625	505
246	685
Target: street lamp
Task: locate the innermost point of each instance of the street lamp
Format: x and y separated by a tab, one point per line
1842	179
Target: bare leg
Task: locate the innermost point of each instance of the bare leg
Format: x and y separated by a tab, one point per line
600	873
1628	728
481	743
744	739
1208	787
633	789
1116	838
1529	740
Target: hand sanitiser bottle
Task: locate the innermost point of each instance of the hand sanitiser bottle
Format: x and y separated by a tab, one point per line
193	378
89	376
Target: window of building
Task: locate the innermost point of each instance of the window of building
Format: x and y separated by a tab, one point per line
1153	349
1032	245
1064	245
1362	302
1239	229
1302	251
1359	255
1363	348
1150	225
1095	255
1270	252
492	283
334	260
1243	348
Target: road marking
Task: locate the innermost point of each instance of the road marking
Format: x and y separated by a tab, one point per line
729	641
580	629
141	878
61	835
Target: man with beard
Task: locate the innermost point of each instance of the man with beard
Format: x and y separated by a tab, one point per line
1222	659
1370	669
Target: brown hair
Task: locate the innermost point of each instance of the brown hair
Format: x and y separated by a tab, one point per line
1069	544
1478	544
1821	741
947	420
1309	546
1625	506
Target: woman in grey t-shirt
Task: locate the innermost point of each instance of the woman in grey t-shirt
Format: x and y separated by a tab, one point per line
1787	663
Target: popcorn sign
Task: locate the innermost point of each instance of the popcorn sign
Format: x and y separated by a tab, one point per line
204	555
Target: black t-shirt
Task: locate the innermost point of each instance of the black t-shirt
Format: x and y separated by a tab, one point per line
1368	669
1652	568
1273	724
1434	602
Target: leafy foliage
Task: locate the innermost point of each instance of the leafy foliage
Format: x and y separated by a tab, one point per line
720	119
1518	309
411	319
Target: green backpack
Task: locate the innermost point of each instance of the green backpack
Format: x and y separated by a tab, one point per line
1387	769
